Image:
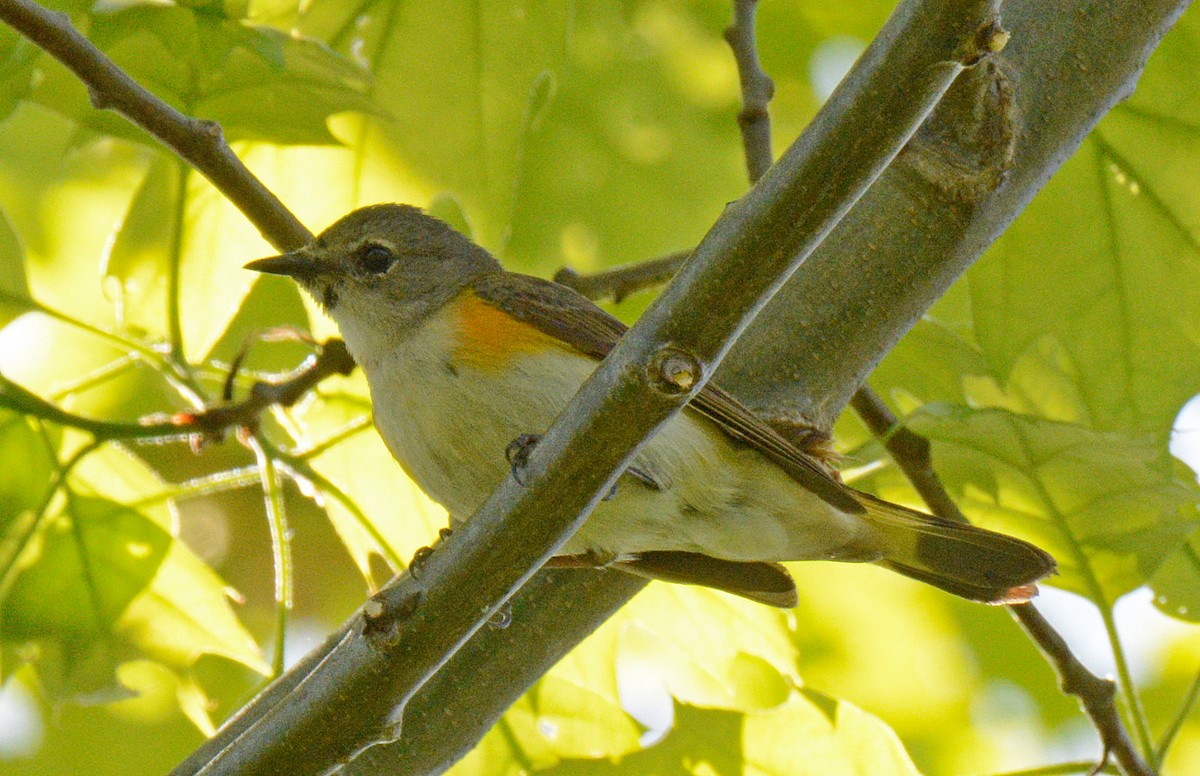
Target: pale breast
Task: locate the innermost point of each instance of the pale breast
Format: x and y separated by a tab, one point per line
448	419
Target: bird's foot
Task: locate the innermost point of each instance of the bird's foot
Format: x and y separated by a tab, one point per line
517	454
422	554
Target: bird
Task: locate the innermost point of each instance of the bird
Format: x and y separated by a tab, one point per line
467	362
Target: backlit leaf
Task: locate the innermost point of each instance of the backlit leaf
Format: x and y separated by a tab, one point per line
257	83
14	290
1098	501
462	84
1121	295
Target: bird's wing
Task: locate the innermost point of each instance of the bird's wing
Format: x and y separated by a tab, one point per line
574	319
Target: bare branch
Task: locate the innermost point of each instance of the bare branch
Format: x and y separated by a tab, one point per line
908	449
331	358
619	282
757	90
1095	694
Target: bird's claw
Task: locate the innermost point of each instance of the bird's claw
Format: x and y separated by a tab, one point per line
518	452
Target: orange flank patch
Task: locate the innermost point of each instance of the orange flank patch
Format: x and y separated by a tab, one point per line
488	337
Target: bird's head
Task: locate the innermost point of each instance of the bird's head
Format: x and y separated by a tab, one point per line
381	270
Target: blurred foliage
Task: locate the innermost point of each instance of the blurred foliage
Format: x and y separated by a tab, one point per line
136	579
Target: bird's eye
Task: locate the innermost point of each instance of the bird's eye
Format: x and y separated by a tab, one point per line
375	258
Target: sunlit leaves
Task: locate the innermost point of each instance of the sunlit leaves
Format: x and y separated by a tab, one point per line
375	508
746	663
594	132
809	733
23	489
461	103
104	583
1121	296
258	83
1098	501
1177	584
728	664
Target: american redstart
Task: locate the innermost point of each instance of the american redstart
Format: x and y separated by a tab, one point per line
463	358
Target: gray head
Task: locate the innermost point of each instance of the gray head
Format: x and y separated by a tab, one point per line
381	270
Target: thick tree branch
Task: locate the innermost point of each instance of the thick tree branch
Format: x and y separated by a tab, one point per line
413	627
910	450
906	241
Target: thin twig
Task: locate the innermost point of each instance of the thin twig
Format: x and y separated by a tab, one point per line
333	358
1062	769
910	450
754	120
912	454
619	282
281	549
202	144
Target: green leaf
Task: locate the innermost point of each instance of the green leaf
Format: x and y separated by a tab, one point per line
462	84
258	83
138	260
1121	296
24	489
107	577
1099	502
1176	584
809	733
928	365
1043	382
709	648
101	583
14	290
17	57
554	721
706	648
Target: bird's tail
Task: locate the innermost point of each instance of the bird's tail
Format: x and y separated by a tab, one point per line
971	562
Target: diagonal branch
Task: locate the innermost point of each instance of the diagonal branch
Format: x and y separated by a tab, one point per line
910	450
413	627
906	241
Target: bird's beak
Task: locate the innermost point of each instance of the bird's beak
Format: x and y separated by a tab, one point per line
296	264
